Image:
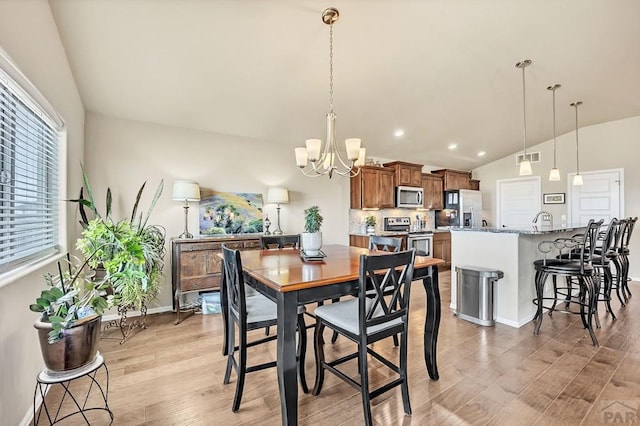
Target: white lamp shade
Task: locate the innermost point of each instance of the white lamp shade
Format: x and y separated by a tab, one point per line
577	180
277	195
525	168
361	157
301	157
353	148
186	191
554	175
313	149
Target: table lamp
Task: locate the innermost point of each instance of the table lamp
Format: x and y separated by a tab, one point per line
186	191
277	196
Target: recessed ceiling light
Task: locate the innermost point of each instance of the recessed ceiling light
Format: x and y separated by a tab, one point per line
398	133
481	154
453	145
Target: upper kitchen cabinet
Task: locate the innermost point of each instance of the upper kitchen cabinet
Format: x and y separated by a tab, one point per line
433	194
373	188
407	174
455	179
474	184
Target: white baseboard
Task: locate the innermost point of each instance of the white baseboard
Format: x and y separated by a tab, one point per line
510	323
28	418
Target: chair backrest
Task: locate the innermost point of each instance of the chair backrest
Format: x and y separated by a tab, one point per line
392	244
279	241
626	237
234	281
589	240
609	238
384	274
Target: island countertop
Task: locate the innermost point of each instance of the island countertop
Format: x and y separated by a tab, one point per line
532	230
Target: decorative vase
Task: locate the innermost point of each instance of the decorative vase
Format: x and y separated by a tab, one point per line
371	229
311	243
78	346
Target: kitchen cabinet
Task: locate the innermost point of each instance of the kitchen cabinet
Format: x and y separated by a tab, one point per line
406	174
442	247
455	179
362	241
195	265
433	193
373	187
474	184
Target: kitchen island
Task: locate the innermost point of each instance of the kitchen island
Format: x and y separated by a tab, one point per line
511	251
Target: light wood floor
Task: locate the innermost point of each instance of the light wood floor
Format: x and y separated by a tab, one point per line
172	375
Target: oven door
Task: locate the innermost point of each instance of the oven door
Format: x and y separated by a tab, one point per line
422	243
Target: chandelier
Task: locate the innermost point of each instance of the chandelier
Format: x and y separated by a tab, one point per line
314	159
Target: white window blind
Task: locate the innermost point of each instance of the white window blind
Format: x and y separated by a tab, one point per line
28	179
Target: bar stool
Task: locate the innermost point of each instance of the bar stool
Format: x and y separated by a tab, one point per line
48	378
624	258
573	262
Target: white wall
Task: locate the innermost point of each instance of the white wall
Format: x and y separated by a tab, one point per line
604	146
29	35
121	154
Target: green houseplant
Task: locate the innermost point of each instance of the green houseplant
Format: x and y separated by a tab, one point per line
312	237
370	221
130	251
71	309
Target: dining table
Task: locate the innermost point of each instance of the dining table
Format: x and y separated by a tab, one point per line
285	277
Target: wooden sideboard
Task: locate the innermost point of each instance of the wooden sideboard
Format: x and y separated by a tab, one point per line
195	265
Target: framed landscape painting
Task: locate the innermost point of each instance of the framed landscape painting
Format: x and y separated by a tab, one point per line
230	213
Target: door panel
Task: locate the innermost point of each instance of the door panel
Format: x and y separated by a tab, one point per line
518	201
600	197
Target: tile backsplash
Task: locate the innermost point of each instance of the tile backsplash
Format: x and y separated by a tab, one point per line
357	225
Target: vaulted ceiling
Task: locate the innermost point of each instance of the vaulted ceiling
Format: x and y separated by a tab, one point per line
442	70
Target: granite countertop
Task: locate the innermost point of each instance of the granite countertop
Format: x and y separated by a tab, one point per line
532	230
379	233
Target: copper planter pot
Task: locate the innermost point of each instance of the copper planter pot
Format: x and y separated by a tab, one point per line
78	346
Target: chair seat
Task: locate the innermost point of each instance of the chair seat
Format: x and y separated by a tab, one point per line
260	308
345	315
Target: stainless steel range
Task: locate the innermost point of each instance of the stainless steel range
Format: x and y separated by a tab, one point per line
421	240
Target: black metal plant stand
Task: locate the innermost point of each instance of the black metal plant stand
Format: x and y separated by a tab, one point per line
122	323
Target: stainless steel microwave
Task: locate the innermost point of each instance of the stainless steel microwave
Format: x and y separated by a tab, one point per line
409	197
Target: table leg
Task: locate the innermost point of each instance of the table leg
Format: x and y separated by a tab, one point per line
286	355
432	322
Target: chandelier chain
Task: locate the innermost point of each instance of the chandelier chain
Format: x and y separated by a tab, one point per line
331	67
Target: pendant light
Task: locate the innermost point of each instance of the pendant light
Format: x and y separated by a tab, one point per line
577	179
554	174
525	164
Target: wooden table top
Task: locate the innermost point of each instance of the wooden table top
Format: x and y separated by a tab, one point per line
284	270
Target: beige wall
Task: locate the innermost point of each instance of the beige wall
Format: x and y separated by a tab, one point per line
29	35
611	145
121	154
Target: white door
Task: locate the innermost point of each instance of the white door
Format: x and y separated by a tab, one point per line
518	201
600	197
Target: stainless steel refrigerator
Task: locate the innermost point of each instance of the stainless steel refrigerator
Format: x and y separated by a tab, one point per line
462	208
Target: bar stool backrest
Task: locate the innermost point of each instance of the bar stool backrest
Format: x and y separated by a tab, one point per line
627	235
589	240
608	240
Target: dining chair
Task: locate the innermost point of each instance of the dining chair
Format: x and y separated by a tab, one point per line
279	241
574	262
365	320
251	313
390	244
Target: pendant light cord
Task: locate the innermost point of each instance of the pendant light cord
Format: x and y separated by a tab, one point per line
331	67
576	104
524	114
554	127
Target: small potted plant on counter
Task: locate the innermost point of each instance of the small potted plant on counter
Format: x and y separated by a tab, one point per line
312	237
370	221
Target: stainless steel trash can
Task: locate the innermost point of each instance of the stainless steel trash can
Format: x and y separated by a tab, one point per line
475	293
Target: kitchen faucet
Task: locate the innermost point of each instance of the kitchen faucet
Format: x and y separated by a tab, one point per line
547	218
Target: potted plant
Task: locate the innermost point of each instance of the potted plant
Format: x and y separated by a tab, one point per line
312	237
370	221
71	309
130	251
